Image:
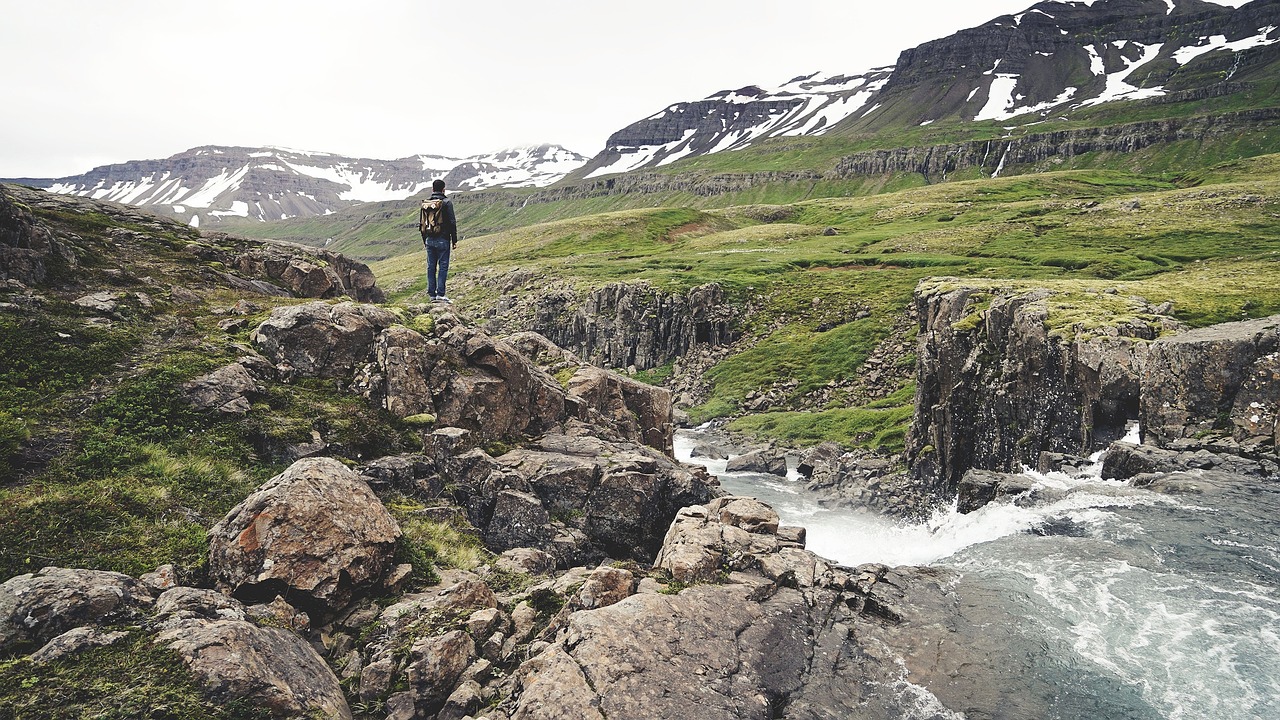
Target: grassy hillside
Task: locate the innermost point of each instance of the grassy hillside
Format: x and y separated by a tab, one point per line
1208	242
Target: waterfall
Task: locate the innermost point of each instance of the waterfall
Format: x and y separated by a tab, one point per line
1173	595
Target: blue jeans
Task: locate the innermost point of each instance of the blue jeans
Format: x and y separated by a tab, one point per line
437	265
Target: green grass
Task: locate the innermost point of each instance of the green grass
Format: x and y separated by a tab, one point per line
1163	237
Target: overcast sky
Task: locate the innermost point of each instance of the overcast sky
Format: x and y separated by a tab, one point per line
88	83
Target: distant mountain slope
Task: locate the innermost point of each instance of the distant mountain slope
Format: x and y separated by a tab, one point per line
206	184
733	119
1058	59
1062	58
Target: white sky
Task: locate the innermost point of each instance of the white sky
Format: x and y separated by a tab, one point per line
88	82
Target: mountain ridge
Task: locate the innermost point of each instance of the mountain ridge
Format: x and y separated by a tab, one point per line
208	183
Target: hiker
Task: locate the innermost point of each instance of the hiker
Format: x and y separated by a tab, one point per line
439	228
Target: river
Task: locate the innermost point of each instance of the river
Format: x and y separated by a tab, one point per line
1174	595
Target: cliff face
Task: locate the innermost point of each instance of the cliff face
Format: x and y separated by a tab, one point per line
1000	387
1216	386
997	386
994	156
623	325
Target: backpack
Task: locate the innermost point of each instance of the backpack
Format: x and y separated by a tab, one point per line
431	218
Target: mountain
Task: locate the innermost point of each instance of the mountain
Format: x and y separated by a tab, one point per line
733	119
1059	59
207	184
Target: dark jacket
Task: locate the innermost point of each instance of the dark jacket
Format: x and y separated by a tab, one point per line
450	220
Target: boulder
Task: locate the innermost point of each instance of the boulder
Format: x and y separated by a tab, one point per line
319	339
315	533
465	378
817	456
307	272
37	607
763	461
637	411
979	487
74	641
225	390
269	667
620	497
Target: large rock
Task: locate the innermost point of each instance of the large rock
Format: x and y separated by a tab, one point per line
36	607
620	496
266	666
308	272
319	339
637	411
979	487
764	461
465	378
226	390
1222	380
315	533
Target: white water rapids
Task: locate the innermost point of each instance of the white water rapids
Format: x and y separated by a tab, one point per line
1175	596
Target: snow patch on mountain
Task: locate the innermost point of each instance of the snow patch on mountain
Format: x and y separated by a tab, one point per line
1118	87
1187	53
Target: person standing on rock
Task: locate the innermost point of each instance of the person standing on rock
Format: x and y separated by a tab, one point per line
439	228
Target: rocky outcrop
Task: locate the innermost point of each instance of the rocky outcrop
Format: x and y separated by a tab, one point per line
767	629
315	534
622	325
1220	382
319	339
937	162
308	272
1001	379
37	607
27	247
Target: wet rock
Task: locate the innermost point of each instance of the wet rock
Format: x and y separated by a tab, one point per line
764	461
1126	460
979	487
315	533
36	607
